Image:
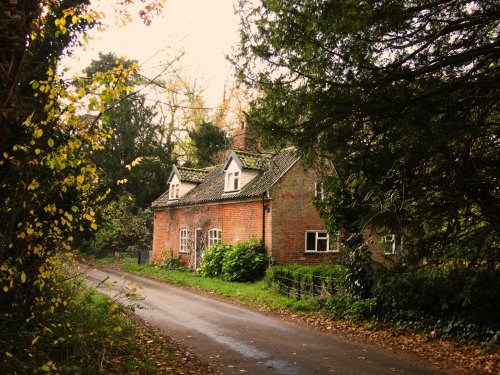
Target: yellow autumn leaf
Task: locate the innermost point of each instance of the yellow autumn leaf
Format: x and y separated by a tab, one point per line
37	151
81	92
23	277
34	341
80	179
50	142
93	226
38	133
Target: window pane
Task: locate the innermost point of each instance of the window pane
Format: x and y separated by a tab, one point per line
322	243
310	241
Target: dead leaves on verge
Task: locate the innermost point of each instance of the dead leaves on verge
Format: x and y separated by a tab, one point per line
442	354
151	352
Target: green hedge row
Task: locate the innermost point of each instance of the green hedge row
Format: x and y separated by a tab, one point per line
306	281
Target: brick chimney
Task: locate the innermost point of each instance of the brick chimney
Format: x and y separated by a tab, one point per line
241	138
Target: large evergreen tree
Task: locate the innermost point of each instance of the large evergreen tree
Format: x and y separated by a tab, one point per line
135	150
402	97
207	141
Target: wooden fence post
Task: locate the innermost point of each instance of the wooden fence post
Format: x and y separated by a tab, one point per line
298	288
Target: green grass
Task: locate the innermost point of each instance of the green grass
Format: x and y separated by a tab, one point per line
254	295
112	260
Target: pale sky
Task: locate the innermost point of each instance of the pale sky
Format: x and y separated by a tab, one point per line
204	29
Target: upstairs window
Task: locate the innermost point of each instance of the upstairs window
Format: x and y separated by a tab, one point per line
174	191
183	241
232	181
390	244
318	190
214	236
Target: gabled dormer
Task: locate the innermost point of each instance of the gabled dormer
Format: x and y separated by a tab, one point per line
182	180
241	167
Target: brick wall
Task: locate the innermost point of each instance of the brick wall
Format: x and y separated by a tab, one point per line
294	214
239	221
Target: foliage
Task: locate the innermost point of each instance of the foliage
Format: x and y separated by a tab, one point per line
208	140
135	151
359	277
400	98
47	182
213	260
344	306
245	261
450	301
171	263
123	227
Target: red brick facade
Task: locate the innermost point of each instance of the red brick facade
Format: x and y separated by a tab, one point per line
291	214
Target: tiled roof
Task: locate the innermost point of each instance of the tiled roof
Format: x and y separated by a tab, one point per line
251	160
271	168
192	175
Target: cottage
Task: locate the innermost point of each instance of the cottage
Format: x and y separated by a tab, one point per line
261	195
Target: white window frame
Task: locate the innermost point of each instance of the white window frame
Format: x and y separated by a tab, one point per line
214	236
175	191
389	243
319	191
184	241
233	180
318	236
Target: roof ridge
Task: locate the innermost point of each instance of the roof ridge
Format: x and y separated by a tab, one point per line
194	169
261	154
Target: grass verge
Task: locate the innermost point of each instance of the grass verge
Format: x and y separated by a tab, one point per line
95	335
255	295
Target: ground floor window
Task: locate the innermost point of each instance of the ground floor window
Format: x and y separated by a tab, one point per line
214	236
318	242
184	241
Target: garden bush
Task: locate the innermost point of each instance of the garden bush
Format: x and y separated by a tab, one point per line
245	261
344	305
171	263
213	259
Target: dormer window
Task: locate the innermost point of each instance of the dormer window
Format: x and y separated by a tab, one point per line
174	190
232	181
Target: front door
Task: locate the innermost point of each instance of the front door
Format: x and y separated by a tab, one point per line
198	247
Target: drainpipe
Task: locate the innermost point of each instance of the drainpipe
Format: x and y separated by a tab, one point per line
265	208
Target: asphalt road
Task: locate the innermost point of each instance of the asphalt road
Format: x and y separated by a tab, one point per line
241	341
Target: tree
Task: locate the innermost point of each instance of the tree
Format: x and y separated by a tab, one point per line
207	141
136	139
47	184
402	97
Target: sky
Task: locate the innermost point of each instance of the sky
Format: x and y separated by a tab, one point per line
205	30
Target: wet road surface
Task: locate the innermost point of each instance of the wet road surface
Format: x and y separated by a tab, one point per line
242	341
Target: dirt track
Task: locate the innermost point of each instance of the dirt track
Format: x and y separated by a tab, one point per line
237	340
